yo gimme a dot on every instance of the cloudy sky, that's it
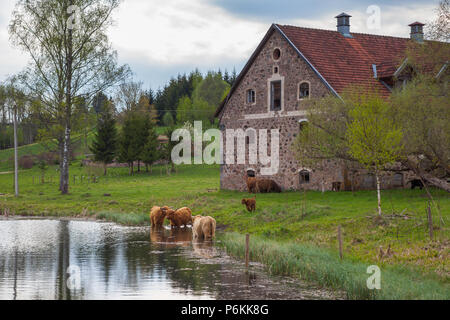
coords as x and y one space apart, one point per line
162 38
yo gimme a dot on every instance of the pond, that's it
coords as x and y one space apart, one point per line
71 260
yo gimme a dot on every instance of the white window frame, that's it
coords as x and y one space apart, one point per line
298 90
246 97
274 78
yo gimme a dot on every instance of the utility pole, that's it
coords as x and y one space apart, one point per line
16 168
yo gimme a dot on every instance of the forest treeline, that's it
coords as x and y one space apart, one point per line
185 98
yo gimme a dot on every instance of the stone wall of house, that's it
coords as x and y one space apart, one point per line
238 114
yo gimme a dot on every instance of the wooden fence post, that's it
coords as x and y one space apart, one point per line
247 250
430 222
341 255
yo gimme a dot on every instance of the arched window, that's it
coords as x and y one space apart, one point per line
304 176
303 90
251 173
251 96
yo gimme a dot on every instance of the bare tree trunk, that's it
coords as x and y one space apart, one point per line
16 162
64 187
68 114
378 193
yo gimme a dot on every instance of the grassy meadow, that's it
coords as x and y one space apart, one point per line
299 228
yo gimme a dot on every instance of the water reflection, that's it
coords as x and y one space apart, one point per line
121 263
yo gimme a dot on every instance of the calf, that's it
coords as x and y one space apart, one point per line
250 204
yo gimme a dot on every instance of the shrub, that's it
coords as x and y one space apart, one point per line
51 158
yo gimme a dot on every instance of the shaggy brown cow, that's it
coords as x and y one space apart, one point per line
204 227
250 204
157 216
267 186
181 217
257 185
251 183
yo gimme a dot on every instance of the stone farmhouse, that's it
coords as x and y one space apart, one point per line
294 64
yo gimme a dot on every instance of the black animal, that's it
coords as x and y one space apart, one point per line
416 183
336 186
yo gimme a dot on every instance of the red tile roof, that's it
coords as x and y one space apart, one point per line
346 61
340 61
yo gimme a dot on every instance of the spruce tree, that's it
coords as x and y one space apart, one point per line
104 145
150 152
129 149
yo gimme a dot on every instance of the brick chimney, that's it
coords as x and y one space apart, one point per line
343 24
417 31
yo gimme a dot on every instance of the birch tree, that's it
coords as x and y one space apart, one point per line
70 57
373 137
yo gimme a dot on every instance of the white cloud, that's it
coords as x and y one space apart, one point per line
394 19
172 32
159 38
12 60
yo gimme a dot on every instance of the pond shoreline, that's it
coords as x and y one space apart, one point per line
195 250
312 264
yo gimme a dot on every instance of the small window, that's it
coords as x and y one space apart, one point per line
275 98
275 70
251 96
304 177
251 173
276 54
304 90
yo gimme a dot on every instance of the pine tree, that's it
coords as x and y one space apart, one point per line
129 147
150 152
104 145
233 77
168 119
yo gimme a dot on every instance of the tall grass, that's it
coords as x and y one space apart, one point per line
326 268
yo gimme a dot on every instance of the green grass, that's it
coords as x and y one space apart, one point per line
326 268
7 156
290 219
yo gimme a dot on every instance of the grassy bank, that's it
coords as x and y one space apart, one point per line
294 219
326 268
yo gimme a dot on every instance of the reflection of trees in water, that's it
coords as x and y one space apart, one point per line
62 292
115 258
